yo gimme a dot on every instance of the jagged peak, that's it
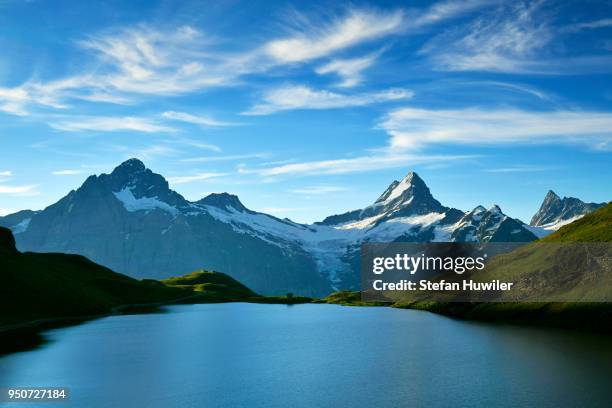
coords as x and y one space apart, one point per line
133 174
551 195
495 209
396 189
478 209
412 177
223 200
131 166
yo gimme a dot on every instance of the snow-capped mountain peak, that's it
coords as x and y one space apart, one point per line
398 189
404 190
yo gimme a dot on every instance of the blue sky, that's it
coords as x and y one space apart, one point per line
312 108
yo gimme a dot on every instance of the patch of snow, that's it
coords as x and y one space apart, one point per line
360 224
21 227
132 204
547 229
399 189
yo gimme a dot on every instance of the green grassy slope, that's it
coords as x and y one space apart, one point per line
211 285
36 286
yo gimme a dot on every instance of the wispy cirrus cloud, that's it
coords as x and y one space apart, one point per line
349 69
110 124
524 168
411 128
310 40
514 38
200 120
139 60
27 190
6 173
67 172
318 190
195 177
589 25
303 97
229 157
509 40
374 161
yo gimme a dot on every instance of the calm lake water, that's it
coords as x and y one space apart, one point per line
250 355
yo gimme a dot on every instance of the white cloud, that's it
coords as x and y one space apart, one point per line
194 177
512 41
110 124
28 190
316 39
199 120
68 172
193 143
136 60
589 25
302 97
445 10
145 60
352 165
526 168
318 190
350 70
309 40
230 157
413 128
6 173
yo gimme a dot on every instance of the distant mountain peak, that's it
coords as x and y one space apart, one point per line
478 209
130 166
411 185
223 201
135 175
495 209
551 195
555 210
132 184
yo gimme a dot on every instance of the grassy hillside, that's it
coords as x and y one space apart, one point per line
213 286
36 286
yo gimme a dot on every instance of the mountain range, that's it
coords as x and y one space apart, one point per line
132 222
